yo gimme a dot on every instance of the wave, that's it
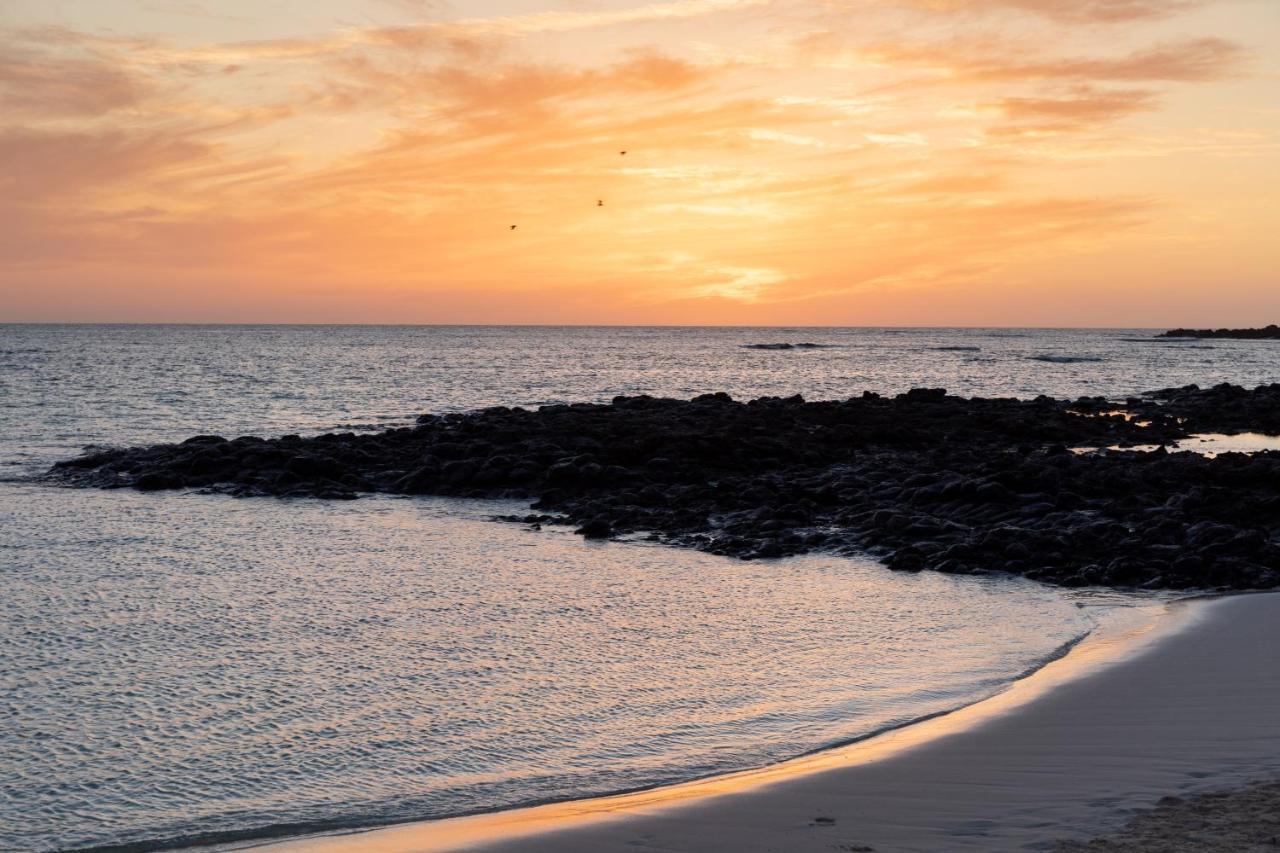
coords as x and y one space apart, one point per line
357 427
244 838
784 345
1180 343
956 349
1065 359
248 837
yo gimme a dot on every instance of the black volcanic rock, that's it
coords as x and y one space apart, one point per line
786 346
1222 408
924 480
1271 333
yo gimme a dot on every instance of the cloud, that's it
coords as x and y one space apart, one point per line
524 83
417 7
955 184
898 140
538 163
392 159
740 284
1070 11
43 164
567 21
1082 104
462 34
964 240
760 134
1079 108
1191 60
500 96
36 84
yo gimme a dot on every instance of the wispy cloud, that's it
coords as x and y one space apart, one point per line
567 21
36 83
1081 103
770 171
1070 11
979 60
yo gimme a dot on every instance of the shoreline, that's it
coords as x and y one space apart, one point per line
1125 636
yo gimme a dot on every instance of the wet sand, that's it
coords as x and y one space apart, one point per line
1175 705
1243 820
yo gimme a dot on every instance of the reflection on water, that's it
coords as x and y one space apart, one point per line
1123 633
1212 444
192 664
1209 444
177 664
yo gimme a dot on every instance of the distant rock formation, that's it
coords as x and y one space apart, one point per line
1266 333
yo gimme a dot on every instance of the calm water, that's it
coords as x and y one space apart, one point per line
181 666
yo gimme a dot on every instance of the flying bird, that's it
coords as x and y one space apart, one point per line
622 153
599 202
513 228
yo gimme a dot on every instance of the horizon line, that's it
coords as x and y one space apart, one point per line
317 324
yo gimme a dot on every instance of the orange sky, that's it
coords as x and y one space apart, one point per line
827 162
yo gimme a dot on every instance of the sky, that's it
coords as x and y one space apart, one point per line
787 162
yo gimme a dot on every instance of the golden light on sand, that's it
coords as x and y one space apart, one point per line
1127 637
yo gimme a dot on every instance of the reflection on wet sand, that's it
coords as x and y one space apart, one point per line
1126 633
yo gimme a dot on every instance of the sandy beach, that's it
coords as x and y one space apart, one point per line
1170 705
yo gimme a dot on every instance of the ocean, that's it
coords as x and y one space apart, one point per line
181 668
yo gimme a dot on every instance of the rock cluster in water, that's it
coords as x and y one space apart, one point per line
924 480
1271 332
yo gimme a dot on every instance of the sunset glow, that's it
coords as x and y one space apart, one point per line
844 162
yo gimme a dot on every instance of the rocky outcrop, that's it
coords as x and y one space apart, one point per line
924 480
1271 332
785 346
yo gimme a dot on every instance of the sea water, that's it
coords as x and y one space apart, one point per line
179 667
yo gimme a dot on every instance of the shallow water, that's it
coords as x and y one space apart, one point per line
179 666
194 663
1209 444
1213 443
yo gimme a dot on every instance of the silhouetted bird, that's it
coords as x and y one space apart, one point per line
622 153
513 228
599 202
